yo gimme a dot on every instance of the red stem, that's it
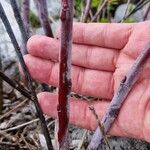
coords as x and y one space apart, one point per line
65 73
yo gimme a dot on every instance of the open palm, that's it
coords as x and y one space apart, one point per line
102 55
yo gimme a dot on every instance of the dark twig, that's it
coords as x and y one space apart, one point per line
43 14
126 11
138 6
25 15
21 25
27 76
1 85
6 114
65 73
101 127
24 26
86 10
15 85
99 11
146 13
44 20
120 96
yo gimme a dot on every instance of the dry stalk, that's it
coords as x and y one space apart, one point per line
21 25
14 109
126 11
101 127
1 86
99 11
25 16
43 15
80 145
86 11
146 13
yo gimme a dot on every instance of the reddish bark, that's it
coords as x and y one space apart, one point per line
65 73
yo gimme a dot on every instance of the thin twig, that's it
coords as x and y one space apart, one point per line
41 6
1 85
19 126
9 137
120 96
26 143
86 10
99 10
43 15
126 10
138 6
65 73
14 109
27 77
101 127
82 140
21 25
24 25
146 13
25 15
15 85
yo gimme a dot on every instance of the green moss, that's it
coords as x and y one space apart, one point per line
129 20
95 3
104 20
35 22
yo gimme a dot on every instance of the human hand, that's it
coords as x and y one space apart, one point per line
102 54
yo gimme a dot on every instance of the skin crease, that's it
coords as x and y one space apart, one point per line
102 54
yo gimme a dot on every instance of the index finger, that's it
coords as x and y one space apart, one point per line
107 35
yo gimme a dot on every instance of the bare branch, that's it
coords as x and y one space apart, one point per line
21 25
27 76
25 15
120 96
138 6
125 13
15 85
99 11
65 73
1 85
43 14
146 13
86 10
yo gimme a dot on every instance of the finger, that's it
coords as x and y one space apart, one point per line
81 116
92 57
138 39
84 81
124 64
106 35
